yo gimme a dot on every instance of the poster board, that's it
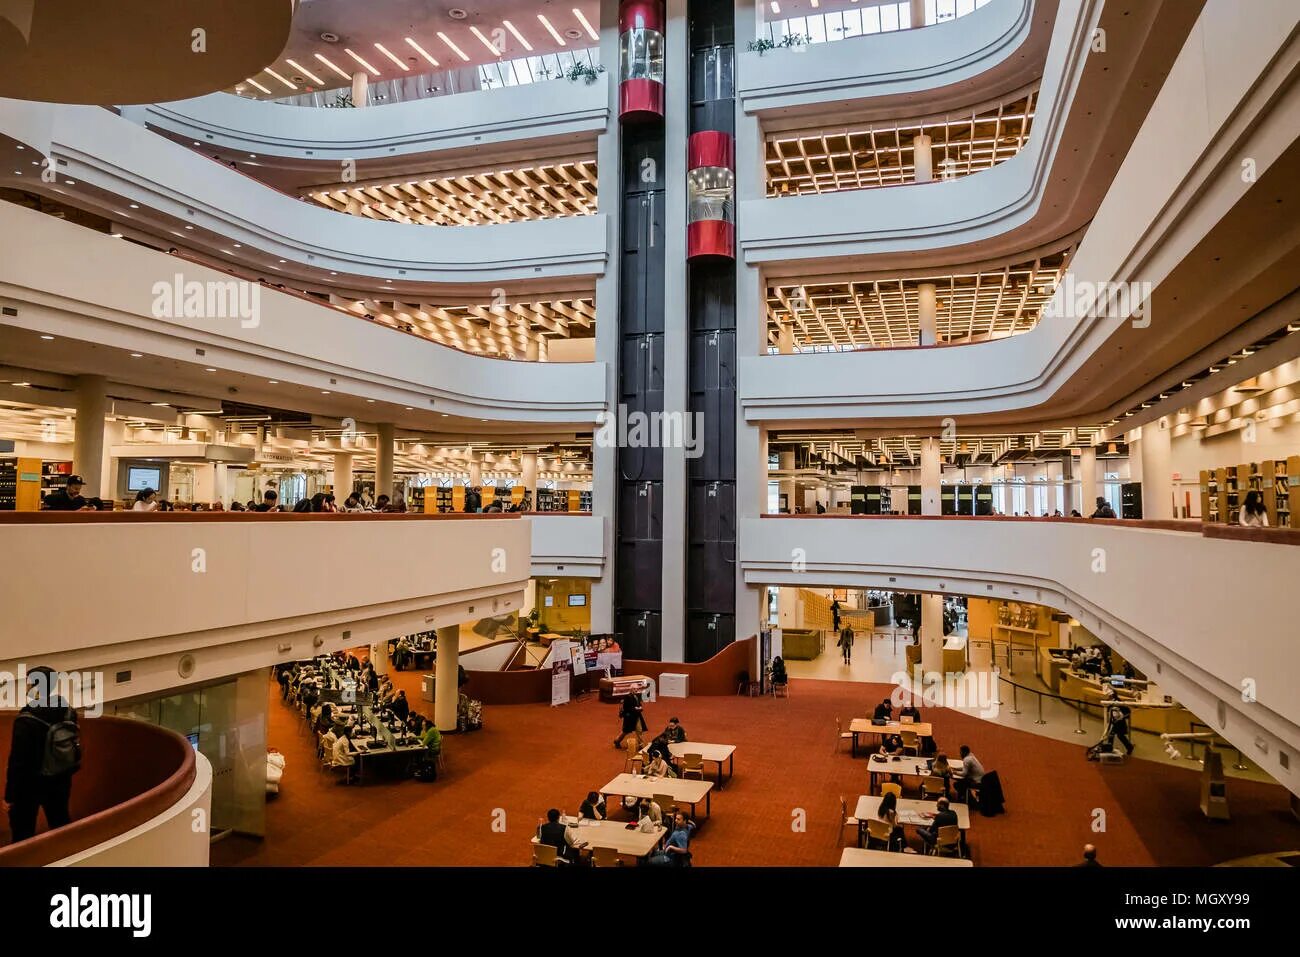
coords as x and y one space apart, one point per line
561 671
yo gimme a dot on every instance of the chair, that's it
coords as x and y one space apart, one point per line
911 742
635 764
847 821
780 689
878 832
605 857
933 786
841 734
948 840
890 787
665 802
745 685
693 766
545 856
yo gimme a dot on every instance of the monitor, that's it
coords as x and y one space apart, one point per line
1117 681
193 740
577 601
549 601
139 478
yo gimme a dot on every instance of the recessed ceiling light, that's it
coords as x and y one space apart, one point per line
70 182
369 69
454 49
137 355
332 273
518 36
18 172
272 381
47 338
551 30
189 227
116 235
21 147
776 7
306 72
445 415
237 245
280 260
420 50
456 13
197 143
573 33
384 50
585 24
324 392
370 400
492 47
134 206
259 86
209 369
161 405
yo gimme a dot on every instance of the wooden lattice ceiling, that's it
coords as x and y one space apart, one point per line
844 448
880 154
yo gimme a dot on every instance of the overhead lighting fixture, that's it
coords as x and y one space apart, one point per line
290 85
326 60
259 86
137 355
421 50
238 245
272 381
518 36
585 25
370 400
776 7
551 30
161 405
454 49
384 50
485 41
324 392
364 65
305 72
209 369
135 206
48 338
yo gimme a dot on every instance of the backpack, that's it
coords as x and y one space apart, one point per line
62 752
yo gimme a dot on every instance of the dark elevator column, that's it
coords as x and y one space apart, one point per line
711 298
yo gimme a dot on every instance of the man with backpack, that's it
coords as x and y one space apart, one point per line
44 753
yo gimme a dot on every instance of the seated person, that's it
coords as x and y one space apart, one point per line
884 710
969 774
343 757
674 733
593 809
943 817
659 749
326 746
888 812
678 845
659 768
891 745
910 710
558 836
400 706
779 676
647 807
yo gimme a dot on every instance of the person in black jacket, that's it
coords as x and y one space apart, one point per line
400 706
557 835
68 498
944 816
593 808
27 790
884 710
633 720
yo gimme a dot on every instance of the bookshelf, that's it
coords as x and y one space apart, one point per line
8 485
443 499
1209 495
1274 485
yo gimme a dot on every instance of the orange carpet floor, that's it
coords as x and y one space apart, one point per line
782 808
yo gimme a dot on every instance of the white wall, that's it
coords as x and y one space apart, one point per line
569 545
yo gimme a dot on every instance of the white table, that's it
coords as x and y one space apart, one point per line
911 811
373 750
859 726
681 790
630 842
858 857
718 753
907 767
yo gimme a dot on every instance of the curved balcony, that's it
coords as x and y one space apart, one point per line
398 131
1153 590
113 163
131 800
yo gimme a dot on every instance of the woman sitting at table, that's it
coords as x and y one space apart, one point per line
593 809
888 812
940 768
659 768
659 749
343 755
651 809
891 746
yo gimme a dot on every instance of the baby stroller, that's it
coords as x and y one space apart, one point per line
1105 750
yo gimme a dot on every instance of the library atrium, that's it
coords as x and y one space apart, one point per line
880 415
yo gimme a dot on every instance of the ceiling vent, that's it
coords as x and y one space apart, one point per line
456 13
330 37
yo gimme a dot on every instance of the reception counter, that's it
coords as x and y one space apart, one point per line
1156 717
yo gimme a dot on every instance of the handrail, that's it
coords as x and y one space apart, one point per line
100 518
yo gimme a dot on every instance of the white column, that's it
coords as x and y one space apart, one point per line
342 476
1157 475
360 88
384 445
379 655
205 484
528 472
446 688
114 434
88 434
931 470
1070 500
923 157
475 470
932 633
1088 480
221 484
927 312
785 462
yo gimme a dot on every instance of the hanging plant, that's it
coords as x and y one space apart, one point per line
582 71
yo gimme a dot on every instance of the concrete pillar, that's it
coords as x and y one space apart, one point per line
785 338
927 312
342 477
931 470
932 633
384 446
360 88
785 462
446 689
205 483
528 472
1088 480
221 484
917 13
1070 498
88 434
379 655
114 434
1157 481
923 158
532 350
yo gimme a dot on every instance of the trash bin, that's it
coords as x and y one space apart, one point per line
426 687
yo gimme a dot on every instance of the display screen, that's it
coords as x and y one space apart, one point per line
577 601
138 479
193 740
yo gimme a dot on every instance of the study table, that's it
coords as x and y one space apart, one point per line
860 857
860 726
911 813
718 753
631 842
681 790
907 767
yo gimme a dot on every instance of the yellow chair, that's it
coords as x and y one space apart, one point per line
635 764
841 734
545 856
693 766
911 742
847 821
933 787
605 857
948 841
666 806
878 832
890 787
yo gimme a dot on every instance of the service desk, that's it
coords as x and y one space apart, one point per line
1157 719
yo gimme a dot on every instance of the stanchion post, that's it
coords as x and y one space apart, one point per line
1079 709
1040 709
1240 765
1015 704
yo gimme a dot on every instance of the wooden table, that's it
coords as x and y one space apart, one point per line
907 767
864 726
911 813
858 857
616 834
718 753
682 791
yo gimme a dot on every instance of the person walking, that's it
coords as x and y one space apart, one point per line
44 754
630 713
846 644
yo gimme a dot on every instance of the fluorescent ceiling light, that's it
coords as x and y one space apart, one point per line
259 86
518 36
366 66
324 59
776 7
292 86
384 50
454 49
485 41
421 50
306 72
551 30
585 25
